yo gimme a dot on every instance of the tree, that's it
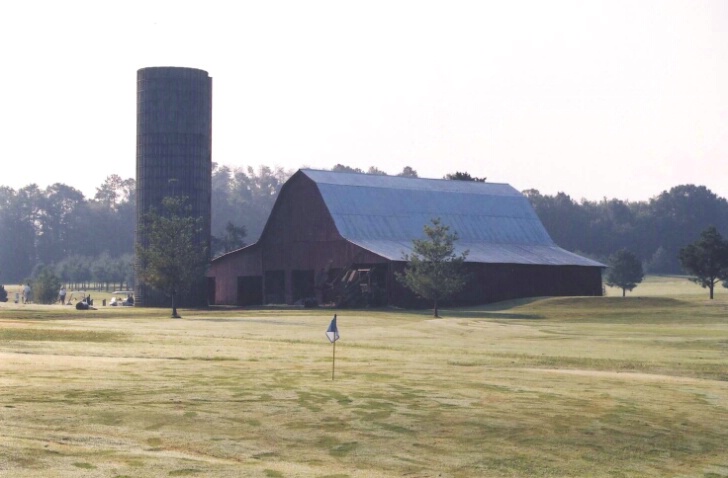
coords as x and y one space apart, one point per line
376 171
564 219
18 219
463 176
625 271
75 270
173 258
62 223
245 197
433 270
114 206
706 259
115 191
222 198
340 168
232 240
45 286
676 217
408 172
658 262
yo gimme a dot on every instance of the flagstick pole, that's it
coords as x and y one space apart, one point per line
333 363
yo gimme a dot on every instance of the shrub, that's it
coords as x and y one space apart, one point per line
45 286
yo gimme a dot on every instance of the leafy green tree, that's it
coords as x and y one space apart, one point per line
115 192
658 262
376 171
75 270
125 271
173 258
408 172
675 217
244 197
232 240
653 230
114 207
62 223
463 176
110 272
625 271
223 209
18 219
433 271
45 286
341 168
564 219
706 259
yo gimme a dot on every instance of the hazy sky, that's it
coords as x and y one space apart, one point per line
616 99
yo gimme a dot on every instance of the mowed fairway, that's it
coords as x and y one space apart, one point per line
555 387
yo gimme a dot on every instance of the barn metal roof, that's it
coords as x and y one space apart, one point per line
494 222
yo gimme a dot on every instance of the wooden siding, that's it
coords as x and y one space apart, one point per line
226 270
498 282
301 236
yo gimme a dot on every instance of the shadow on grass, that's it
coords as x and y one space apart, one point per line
484 314
496 310
616 302
501 315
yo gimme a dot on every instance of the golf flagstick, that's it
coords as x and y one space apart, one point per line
333 334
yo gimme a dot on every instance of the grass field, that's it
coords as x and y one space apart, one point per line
667 286
553 387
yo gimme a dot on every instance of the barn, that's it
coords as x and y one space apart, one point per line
340 238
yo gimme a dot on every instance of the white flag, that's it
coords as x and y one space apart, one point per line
332 332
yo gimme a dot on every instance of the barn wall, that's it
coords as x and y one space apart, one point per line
301 240
497 282
489 282
226 270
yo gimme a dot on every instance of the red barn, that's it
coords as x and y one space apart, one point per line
341 237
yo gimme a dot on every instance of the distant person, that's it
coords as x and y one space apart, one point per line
85 304
129 300
62 295
26 293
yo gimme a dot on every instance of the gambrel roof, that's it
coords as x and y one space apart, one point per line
383 214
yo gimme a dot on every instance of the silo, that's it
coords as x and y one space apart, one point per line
174 155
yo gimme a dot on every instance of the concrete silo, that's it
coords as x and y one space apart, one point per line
174 154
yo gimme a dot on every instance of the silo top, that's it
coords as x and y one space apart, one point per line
170 71
174 100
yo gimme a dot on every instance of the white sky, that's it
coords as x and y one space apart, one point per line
616 99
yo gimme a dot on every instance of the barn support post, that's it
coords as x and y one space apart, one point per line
288 286
390 281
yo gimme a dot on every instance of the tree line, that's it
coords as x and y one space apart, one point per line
90 241
654 231
83 240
